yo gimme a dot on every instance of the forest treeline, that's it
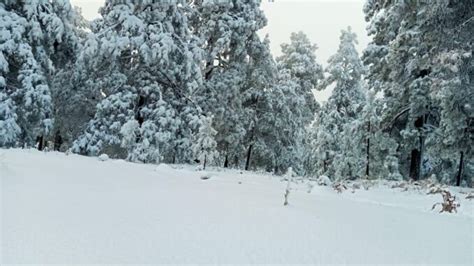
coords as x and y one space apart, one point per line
191 80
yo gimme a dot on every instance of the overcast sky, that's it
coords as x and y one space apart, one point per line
321 20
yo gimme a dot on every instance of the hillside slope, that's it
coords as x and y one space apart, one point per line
73 209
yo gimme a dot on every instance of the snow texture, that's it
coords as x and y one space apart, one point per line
73 209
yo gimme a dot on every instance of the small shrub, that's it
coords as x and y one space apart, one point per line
470 196
324 181
435 189
449 203
339 187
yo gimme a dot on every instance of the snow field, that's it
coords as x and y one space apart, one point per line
73 209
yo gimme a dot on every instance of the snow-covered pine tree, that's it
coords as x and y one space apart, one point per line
36 38
293 105
147 63
341 142
398 67
284 125
453 69
454 139
323 141
409 39
370 152
228 32
225 103
204 145
299 58
74 102
380 150
256 105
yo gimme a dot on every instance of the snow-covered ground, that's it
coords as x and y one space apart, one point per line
73 209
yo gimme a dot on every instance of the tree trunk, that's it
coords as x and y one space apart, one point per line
350 171
208 69
249 154
236 162
325 163
205 162
416 154
367 166
415 164
58 141
40 142
209 61
460 170
226 161
138 115
276 169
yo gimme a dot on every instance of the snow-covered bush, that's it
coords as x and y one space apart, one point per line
103 157
204 145
339 186
324 181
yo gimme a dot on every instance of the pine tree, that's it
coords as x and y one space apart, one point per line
397 59
324 142
9 129
228 34
37 38
147 62
339 144
74 101
204 145
454 139
293 105
405 59
453 69
381 157
300 59
256 105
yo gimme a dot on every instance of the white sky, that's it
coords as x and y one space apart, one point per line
321 20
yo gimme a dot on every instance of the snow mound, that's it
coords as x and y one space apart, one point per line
162 167
103 157
324 181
